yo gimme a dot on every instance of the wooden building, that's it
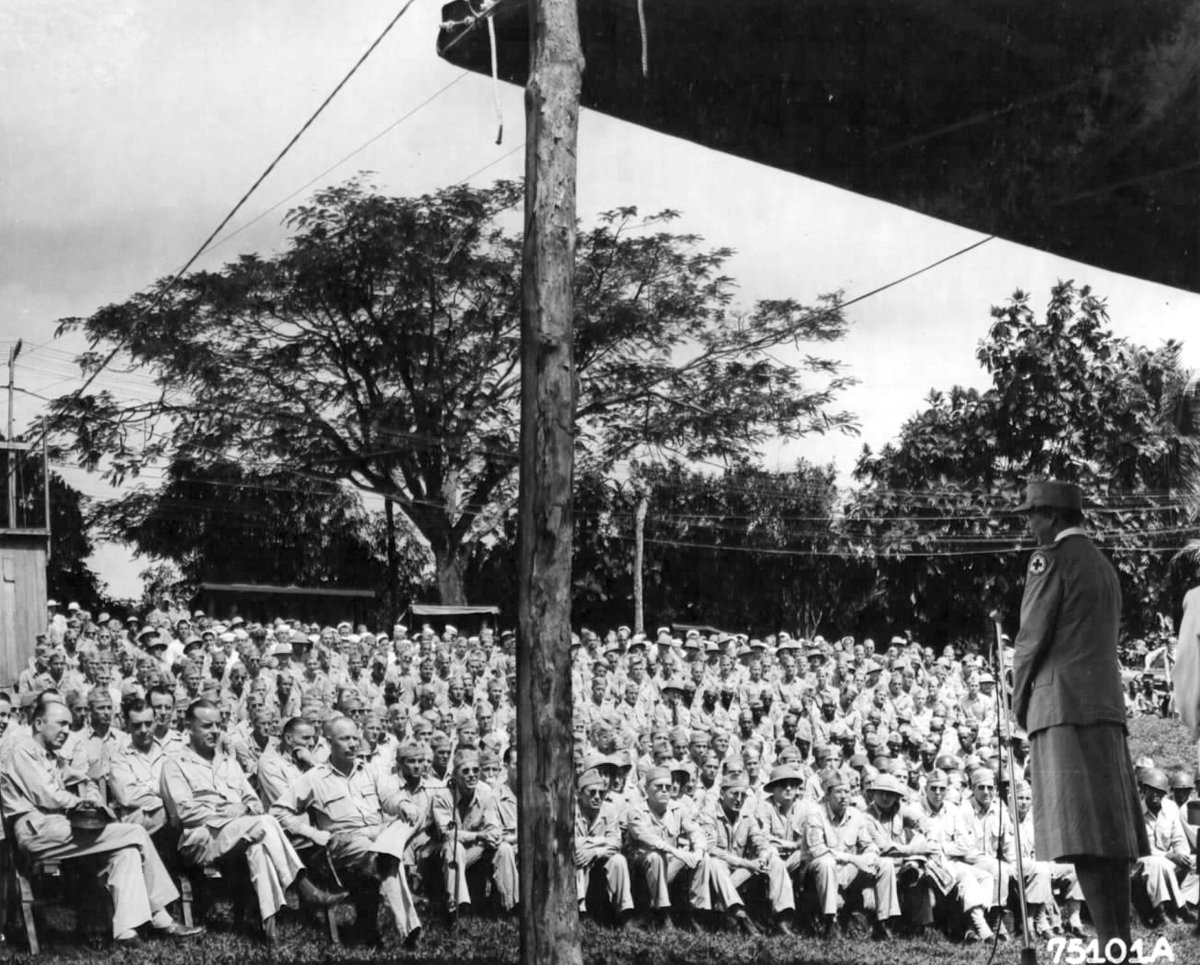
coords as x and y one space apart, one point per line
24 547
261 602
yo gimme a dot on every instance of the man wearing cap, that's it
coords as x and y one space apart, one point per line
1067 695
414 796
1183 787
898 831
983 813
601 870
781 814
1159 875
838 855
91 749
348 809
467 823
950 830
665 841
741 855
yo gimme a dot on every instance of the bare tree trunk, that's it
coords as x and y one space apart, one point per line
639 560
450 565
549 908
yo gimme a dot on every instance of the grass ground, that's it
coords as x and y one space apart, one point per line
474 941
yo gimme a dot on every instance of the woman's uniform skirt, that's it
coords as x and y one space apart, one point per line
1085 796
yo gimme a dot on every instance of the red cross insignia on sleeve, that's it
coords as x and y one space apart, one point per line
1038 564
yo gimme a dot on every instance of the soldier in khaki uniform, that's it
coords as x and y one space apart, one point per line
467 823
209 797
353 810
36 799
599 864
1067 695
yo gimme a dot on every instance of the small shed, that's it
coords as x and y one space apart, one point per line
261 602
468 620
24 549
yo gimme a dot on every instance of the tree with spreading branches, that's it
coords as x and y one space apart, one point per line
379 350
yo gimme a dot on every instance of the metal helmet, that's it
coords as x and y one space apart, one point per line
1156 778
1182 780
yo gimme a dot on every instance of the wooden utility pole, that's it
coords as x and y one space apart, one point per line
639 559
549 907
12 453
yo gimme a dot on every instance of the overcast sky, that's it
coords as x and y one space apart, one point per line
129 128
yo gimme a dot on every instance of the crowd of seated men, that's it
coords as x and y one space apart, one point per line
780 784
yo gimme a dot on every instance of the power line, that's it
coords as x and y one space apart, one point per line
502 157
337 164
163 292
919 271
864 554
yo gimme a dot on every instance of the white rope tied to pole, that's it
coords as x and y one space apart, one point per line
491 25
641 5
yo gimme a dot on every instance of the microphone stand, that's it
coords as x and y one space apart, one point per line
1004 725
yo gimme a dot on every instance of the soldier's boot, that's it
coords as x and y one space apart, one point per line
979 930
1039 919
1073 924
996 920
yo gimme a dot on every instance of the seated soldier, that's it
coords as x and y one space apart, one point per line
39 806
283 761
981 809
899 835
467 824
840 857
781 815
598 854
1158 874
740 854
949 830
247 751
352 815
665 842
90 749
1061 876
415 803
136 771
221 818
162 701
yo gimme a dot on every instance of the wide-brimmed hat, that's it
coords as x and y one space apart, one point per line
887 782
782 773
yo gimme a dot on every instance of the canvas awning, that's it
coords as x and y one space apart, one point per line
1068 126
435 610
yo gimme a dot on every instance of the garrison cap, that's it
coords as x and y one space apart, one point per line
833 777
983 777
735 780
656 774
591 778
